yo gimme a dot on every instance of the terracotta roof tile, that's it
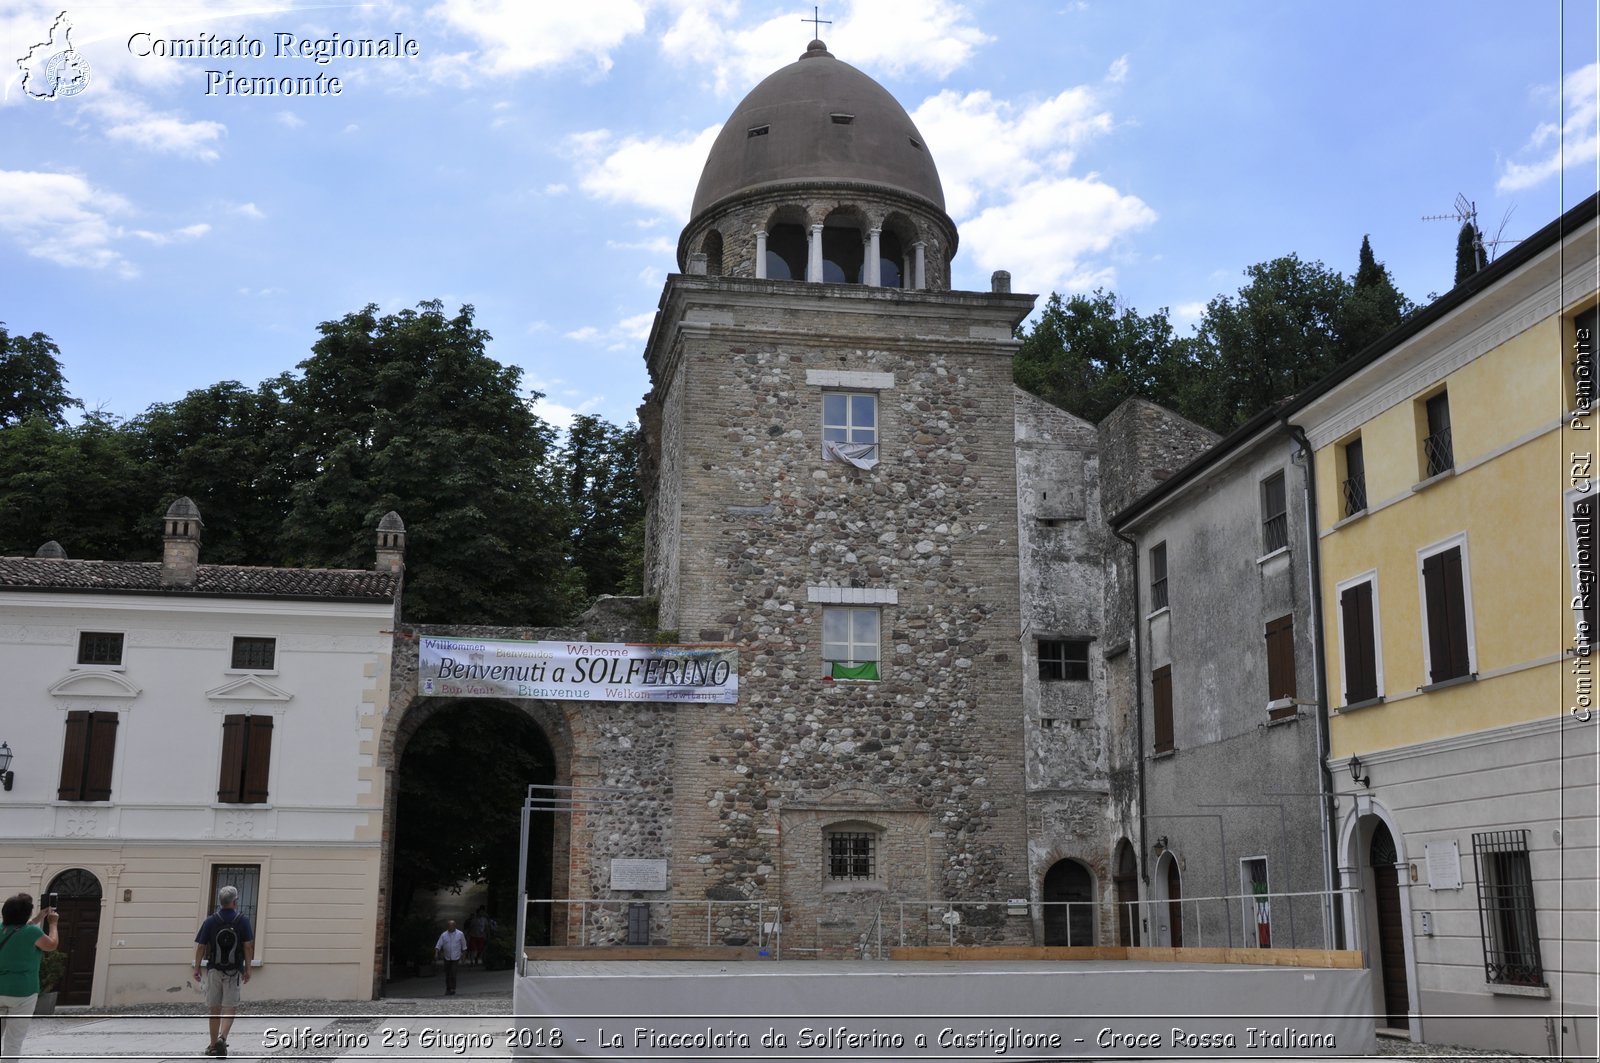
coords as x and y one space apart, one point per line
44 574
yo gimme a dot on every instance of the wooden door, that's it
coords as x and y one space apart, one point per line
78 931
1391 929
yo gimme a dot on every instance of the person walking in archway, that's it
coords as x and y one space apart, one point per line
451 944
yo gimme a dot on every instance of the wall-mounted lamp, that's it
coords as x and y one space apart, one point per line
1161 842
1355 773
6 774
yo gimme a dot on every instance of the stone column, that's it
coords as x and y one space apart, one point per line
919 261
814 255
761 254
874 276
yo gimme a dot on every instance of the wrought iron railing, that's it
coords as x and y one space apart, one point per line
1441 457
1275 533
1355 495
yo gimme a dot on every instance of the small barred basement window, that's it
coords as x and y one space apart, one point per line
852 856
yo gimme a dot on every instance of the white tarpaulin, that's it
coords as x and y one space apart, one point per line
576 671
865 1010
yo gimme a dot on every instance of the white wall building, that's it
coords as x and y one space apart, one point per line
177 726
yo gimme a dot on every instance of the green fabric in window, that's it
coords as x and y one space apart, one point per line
867 670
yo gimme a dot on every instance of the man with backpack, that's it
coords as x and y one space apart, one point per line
226 942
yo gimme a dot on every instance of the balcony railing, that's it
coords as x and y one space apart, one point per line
1275 533
1355 495
1441 457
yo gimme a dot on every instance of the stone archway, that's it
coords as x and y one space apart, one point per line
1168 887
1069 913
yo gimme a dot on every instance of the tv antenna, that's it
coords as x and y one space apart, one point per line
1466 212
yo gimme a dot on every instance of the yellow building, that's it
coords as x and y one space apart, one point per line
1453 473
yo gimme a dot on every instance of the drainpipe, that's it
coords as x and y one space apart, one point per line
1138 705
1324 778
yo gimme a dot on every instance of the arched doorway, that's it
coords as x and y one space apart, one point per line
1125 889
78 930
1169 889
1390 938
463 769
1068 893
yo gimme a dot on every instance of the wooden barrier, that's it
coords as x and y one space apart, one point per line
1339 958
641 952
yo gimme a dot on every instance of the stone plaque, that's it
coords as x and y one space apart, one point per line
638 875
1444 865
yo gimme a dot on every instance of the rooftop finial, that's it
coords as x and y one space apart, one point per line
817 22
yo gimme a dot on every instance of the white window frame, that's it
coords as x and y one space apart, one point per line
122 662
1423 553
1369 576
852 433
1248 904
851 644
277 651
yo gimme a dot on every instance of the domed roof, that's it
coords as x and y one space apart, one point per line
391 522
818 119
183 509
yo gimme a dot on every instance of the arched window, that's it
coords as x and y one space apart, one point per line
712 246
891 253
786 252
842 254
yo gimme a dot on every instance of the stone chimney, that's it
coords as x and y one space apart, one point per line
180 549
391 543
51 551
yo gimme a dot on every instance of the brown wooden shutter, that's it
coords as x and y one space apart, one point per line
257 758
1360 652
1447 615
1161 696
102 753
73 757
230 784
1280 658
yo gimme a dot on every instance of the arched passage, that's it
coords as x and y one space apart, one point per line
1169 890
1389 924
462 770
1068 893
78 931
1125 886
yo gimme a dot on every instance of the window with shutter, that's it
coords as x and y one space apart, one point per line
246 758
1280 665
1161 707
1445 606
88 756
1358 643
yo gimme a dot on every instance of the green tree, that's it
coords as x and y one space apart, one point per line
81 485
406 412
1279 334
1470 254
225 447
1087 353
32 383
1373 307
600 475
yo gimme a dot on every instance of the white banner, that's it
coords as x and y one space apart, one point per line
576 671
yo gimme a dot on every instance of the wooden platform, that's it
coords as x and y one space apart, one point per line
598 953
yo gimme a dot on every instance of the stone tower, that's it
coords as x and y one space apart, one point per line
830 462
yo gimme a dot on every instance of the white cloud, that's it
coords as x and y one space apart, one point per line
660 246
250 210
130 120
61 218
583 335
1552 148
882 37
624 335
288 119
556 189
1050 232
656 173
983 145
188 232
1187 313
514 37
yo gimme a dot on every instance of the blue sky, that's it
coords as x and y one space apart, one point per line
538 160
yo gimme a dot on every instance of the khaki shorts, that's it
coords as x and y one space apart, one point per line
222 988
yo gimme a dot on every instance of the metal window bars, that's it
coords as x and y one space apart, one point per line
1506 913
1441 457
1355 495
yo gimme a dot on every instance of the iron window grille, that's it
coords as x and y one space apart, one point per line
1274 514
1506 913
1158 576
254 654
852 855
246 878
100 647
1355 487
1063 659
1436 446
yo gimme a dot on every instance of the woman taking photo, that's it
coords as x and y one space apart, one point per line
23 943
